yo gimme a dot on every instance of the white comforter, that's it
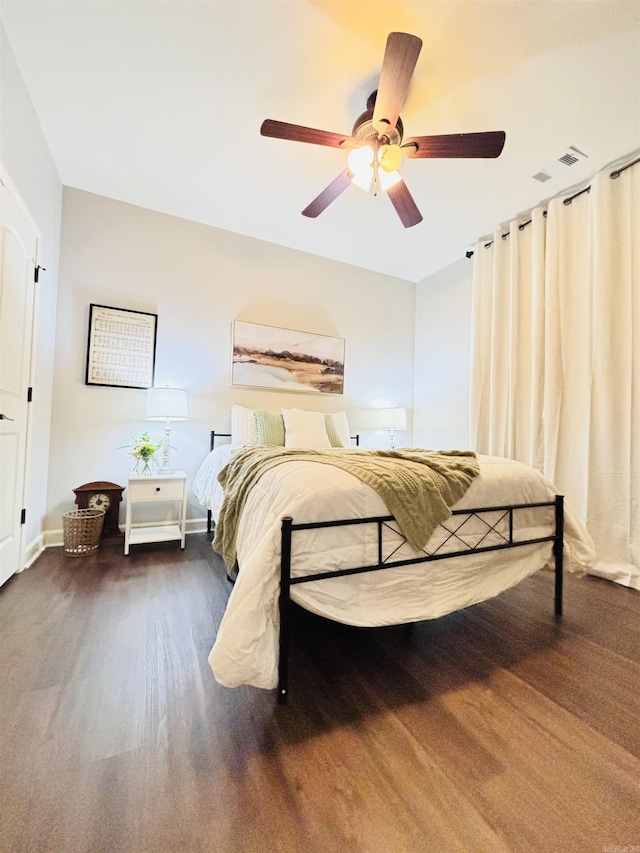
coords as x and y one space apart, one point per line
205 484
246 648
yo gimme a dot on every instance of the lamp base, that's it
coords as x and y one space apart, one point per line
165 467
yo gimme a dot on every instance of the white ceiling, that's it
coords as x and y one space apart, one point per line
159 103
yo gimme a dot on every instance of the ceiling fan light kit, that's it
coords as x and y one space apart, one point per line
376 148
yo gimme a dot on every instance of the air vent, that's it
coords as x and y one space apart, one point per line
558 167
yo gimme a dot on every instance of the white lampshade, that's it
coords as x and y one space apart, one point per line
392 418
167 404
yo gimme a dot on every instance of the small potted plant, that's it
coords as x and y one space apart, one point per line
142 449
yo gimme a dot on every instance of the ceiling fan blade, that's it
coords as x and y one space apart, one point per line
400 57
404 204
298 133
328 194
489 144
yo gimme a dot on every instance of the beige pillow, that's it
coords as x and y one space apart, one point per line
269 427
338 429
243 427
305 429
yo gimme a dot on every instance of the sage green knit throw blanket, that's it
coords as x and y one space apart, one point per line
417 486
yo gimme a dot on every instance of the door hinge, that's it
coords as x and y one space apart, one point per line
36 272
29 395
23 516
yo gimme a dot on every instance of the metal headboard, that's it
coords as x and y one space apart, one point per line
212 442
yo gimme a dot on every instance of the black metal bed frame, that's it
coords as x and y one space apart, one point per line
287 581
212 441
383 563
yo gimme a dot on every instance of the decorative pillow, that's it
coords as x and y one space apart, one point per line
337 428
243 426
305 429
332 432
269 427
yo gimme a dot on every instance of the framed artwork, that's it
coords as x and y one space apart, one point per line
121 350
283 359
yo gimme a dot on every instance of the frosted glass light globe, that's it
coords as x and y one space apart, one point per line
360 159
389 157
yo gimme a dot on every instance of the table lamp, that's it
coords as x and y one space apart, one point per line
392 419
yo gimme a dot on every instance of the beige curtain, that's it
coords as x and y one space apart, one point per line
556 358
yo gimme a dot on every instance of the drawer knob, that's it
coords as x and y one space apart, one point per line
157 488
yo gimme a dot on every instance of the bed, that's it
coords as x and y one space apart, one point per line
317 536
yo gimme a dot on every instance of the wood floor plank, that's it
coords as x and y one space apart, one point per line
492 729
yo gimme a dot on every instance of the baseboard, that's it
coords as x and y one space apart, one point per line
55 538
33 551
196 525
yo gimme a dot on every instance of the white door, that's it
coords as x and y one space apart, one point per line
18 247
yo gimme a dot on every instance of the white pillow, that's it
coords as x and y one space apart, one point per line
341 426
243 426
305 429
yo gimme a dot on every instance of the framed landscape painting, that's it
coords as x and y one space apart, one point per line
268 357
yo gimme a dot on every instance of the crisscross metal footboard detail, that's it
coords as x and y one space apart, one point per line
453 533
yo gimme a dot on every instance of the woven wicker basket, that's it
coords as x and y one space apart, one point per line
81 529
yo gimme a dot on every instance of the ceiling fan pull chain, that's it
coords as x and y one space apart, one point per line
376 180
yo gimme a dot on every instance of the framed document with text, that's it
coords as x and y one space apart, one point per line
121 350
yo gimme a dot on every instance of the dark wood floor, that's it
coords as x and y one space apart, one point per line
493 729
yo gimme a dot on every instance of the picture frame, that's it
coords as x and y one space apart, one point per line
121 347
286 359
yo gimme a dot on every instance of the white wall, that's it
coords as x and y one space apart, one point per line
442 358
26 160
198 279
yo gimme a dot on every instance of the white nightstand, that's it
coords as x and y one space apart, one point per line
158 487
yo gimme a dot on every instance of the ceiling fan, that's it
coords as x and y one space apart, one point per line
376 145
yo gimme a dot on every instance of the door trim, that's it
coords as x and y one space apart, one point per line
10 187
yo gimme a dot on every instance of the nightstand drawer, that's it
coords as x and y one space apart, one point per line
156 491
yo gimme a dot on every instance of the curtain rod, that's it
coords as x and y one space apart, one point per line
613 175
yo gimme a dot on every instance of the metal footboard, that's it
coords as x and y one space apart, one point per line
289 528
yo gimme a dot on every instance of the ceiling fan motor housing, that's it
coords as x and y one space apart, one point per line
365 133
